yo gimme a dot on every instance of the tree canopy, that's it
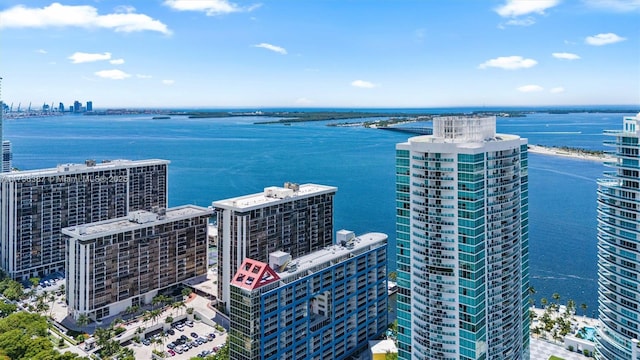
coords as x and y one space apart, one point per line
23 335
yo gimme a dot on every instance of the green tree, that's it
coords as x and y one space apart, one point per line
7 309
12 290
83 320
186 292
583 306
393 276
544 302
556 297
571 307
391 356
23 335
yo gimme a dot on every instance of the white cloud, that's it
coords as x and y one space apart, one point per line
80 57
565 56
41 51
530 88
142 76
112 74
557 90
168 82
514 8
275 48
85 16
508 63
210 7
363 84
603 39
615 5
117 61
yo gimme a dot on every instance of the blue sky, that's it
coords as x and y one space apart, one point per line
321 53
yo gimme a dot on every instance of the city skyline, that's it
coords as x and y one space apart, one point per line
324 54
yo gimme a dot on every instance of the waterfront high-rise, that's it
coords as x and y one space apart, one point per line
123 262
327 304
297 219
462 243
6 156
35 205
619 246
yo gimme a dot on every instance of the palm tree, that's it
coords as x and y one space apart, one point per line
155 314
571 307
102 336
176 305
186 292
543 302
82 320
583 306
556 297
52 299
146 316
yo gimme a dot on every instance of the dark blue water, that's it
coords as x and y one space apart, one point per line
213 159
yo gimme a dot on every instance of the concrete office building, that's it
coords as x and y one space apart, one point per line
327 304
123 262
462 243
618 246
297 219
35 205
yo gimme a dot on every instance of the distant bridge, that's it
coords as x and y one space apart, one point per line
410 130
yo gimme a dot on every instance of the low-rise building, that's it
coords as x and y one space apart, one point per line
122 262
324 305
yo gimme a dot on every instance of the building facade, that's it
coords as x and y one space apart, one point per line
123 262
619 246
462 243
297 219
325 305
36 205
7 156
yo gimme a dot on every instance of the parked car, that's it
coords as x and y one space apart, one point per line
147 342
194 335
171 352
171 332
189 323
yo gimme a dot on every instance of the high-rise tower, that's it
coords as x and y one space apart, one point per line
297 219
618 247
35 205
462 237
6 145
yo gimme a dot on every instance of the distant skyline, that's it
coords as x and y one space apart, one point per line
328 53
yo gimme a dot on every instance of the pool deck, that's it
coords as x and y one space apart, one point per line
542 349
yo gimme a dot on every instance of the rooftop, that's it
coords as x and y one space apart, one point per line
304 265
88 167
273 195
318 260
135 220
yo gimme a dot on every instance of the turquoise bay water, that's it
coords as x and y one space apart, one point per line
213 159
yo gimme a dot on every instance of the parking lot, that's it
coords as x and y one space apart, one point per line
200 329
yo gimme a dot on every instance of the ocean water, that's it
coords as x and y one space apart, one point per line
214 159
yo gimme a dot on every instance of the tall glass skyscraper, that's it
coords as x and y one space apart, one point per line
618 243
462 235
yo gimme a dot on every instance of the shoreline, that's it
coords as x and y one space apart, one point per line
547 150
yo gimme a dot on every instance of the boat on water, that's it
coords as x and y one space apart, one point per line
161 117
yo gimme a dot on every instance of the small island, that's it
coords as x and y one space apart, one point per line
575 153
